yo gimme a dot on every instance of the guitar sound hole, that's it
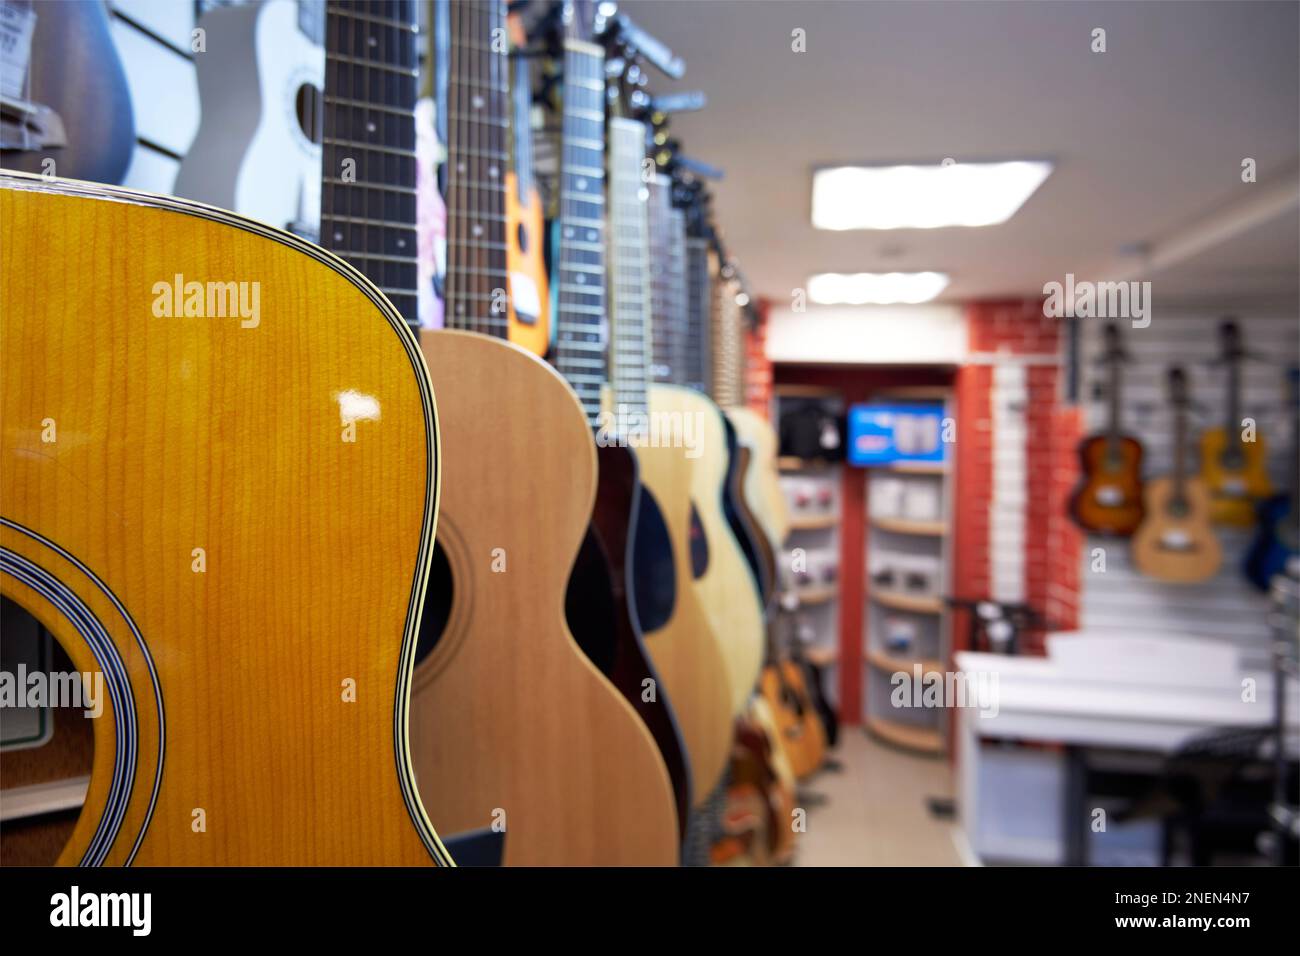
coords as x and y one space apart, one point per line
310 109
437 604
522 235
699 545
654 579
589 605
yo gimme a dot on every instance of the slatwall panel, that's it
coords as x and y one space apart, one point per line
1121 600
153 41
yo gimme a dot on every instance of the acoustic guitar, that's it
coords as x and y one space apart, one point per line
721 575
170 478
1277 539
1175 542
529 304
72 116
599 602
1235 471
680 635
512 726
1108 499
782 685
258 148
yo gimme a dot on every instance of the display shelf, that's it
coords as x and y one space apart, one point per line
905 735
905 526
908 602
819 594
882 661
814 522
917 467
790 463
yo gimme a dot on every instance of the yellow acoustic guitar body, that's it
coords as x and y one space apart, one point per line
1177 544
222 498
510 722
687 650
1237 478
762 486
726 589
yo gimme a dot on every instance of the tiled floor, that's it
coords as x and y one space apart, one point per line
874 812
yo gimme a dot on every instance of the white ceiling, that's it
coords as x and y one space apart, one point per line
1147 138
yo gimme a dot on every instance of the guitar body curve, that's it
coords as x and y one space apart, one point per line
744 526
251 153
508 715
762 486
198 507
799 730
687 650
1108 499
75 70
727 588
601 614
1235 486
1180 549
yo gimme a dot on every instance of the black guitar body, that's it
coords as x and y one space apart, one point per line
603 618
75 71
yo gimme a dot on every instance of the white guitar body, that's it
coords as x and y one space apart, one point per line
251 154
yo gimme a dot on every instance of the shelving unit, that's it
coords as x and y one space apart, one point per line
816 530
906 621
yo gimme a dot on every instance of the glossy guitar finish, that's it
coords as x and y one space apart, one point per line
1109 497
762 486
264 679
75 71
1236 474
689 649
508 714
529 304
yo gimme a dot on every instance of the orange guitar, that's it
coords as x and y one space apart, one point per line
1234 470
528 303
1109 497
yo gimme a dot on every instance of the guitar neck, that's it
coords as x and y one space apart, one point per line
1232 426
368 147
580 272
629 265
728 386
667 280
1113 402
477 111
696 364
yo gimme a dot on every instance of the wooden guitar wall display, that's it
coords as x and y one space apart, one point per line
1175 542
511 724
1109 497
65 109
255 627
1235 471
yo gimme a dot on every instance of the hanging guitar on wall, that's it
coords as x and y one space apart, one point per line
1108 499
1175 542
1235 470
1277 541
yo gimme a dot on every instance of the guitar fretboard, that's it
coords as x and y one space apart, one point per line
667 281
629 265
728 379
697 364
477 110
580 294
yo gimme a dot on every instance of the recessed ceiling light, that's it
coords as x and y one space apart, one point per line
875 288
923 197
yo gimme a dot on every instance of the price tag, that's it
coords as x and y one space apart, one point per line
17 24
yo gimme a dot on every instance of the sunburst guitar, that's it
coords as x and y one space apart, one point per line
202 423
1234 469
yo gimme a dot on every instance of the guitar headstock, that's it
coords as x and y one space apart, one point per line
1230 340
1177 385
1114 344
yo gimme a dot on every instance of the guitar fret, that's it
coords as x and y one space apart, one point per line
479 119
385 187
364 105
352 14
362 221
391 150
371 64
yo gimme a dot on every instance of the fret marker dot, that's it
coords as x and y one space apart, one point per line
338 237
493 172
477 101
460 167
371 41
581 279
582 184
568 232
477 230
370 127
401 243
591 235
